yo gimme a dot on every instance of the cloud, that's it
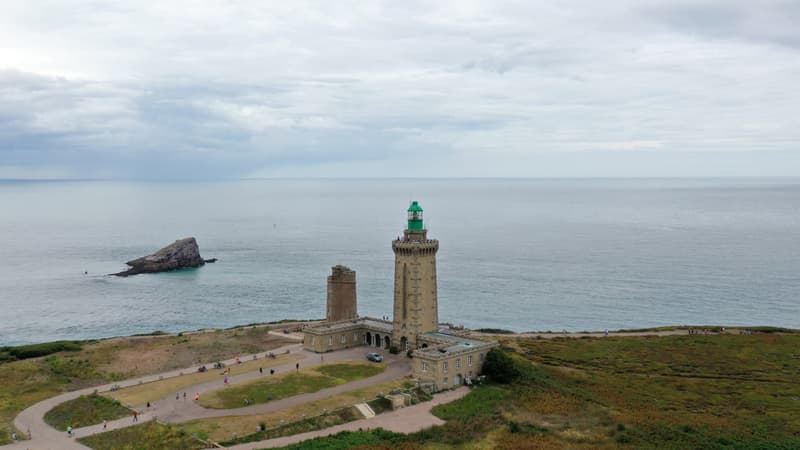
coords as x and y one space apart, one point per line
223 89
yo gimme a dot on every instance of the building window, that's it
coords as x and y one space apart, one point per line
469 360
444 381
444 367
344 339
458 363
424 366
330 340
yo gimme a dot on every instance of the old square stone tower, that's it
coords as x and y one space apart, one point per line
415 296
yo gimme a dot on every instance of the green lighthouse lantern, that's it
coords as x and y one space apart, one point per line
414 216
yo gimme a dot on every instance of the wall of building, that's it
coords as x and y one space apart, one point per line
447 371
333 340
341 304
321 339
415 291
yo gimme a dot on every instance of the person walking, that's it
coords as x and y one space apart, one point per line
226 380
297 367
177 396
105 424
196 396
69 431
261 370
136 416
184 396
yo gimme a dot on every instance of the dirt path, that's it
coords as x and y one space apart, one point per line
405 420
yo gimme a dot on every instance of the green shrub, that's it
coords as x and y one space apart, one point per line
393 349
47 348
380 404
500 367
494 331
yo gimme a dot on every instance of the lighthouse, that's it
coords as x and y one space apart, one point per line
416 309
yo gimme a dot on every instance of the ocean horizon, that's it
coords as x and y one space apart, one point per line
521 254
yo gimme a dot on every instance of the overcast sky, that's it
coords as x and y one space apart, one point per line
216 89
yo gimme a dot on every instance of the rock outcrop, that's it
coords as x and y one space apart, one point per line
183 253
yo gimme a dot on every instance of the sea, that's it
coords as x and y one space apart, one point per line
518 254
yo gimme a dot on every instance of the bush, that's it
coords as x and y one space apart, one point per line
47 348
494 331
394 350
500 367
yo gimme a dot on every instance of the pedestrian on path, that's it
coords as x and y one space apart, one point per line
297 367
69 431
148 405
184 396
177 396
261 370
321 358
136 416
105 424
196 396
271 371
226 380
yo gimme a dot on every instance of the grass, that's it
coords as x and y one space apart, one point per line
150 435
377 438
288 384
140 394
317 422
351 371
223 428
84 411
724 391
28 381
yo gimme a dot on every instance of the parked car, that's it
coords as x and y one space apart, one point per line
374 357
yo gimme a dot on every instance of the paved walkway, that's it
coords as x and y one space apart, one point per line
167 409
405 420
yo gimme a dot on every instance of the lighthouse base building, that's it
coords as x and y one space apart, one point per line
442 357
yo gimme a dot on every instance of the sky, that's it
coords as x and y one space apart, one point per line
227 89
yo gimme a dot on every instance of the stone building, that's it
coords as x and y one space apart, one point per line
341 295
416 308
442 358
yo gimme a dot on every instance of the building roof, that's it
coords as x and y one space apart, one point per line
450 344
344 325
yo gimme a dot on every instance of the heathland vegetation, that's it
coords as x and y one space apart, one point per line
724 391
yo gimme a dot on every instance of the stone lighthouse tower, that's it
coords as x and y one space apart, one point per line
416 309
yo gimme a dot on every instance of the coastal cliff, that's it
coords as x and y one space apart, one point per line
183 253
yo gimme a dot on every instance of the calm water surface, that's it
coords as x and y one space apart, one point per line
517 254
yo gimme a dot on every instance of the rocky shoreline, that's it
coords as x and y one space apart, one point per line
181 254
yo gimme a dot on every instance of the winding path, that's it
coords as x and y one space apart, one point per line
167 409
